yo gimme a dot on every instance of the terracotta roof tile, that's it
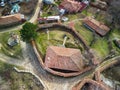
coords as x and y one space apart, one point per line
10 19
99 27
63 58
72 5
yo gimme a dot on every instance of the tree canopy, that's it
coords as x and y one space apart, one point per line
28 32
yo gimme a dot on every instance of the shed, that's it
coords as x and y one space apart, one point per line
96 26
64 59
49 19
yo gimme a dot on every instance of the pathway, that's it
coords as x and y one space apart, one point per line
31 63
10 60
32 20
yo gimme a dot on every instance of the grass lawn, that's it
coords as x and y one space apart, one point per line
101 47
14 52
86 34
72 16
56 39
11 80
90 11
115 34
86 12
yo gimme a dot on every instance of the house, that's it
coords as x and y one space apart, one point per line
73 6
65 60
11 19
96 26
49 19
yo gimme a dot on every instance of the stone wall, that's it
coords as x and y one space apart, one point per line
92 83
66 29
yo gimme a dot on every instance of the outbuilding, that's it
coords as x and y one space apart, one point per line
72 6
11 19
65 60
96 26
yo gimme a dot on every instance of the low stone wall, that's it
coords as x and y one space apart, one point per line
66 29
55 72
35 48
96 75
68 74
91 82
71 30
29 72
96 6
112 62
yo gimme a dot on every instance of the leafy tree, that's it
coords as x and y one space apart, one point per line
28 32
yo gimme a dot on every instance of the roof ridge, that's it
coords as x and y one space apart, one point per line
74 61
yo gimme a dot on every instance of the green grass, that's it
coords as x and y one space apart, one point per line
56 39
101 47
90 11
9 51
115 34
86 34
42 42
86 12
72 16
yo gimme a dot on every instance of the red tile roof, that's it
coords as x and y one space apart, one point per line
63 58
99 27
72 5
5 20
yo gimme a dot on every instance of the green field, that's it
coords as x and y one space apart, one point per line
101 47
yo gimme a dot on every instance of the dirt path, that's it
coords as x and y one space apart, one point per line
32 20
31 63
35 16
10 60
51 82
